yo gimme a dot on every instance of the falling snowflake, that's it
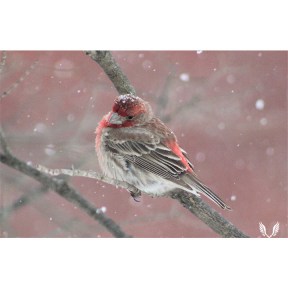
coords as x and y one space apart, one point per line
260 104
184 77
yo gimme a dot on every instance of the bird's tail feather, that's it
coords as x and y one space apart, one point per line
195 183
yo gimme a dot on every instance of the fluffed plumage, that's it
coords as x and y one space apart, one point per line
134 146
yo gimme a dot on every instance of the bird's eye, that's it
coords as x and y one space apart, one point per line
129 117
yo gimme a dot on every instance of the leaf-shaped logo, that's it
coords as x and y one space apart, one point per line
275 230
262 229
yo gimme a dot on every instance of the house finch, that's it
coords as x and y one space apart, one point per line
134 146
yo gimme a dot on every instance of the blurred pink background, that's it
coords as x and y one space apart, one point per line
228 109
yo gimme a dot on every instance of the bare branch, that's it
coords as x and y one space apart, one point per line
21 201
87 174
208 215
195 205
113 71
61 188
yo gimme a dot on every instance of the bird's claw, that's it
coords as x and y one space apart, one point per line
136 195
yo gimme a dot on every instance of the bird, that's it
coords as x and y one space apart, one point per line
134 146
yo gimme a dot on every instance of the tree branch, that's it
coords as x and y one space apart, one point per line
88 174
61 188
191 202
113 71
208 215
194 204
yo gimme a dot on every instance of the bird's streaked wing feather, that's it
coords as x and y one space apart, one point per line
150 155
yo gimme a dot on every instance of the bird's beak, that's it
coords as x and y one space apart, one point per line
115 118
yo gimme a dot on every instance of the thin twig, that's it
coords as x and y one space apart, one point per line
62 188
21 79
113 71
5 212
3 143
163 98
195 205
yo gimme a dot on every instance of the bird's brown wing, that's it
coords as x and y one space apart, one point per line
148 154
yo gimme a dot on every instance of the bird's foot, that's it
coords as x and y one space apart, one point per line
136 195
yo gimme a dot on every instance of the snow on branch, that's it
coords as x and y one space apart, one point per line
87 174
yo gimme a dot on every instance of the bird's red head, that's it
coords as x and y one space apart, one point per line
129 110
128 105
